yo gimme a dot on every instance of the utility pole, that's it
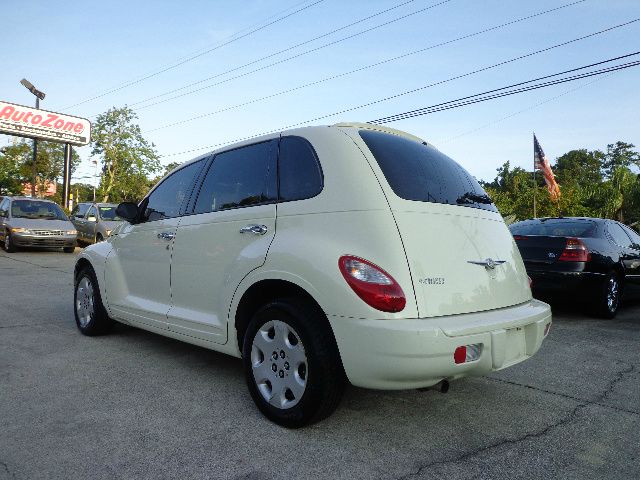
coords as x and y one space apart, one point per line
39 96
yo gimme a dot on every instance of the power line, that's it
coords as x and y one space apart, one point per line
519 112
306 52
231 39
463 101
511 89
382 62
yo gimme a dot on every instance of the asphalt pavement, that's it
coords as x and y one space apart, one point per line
137 405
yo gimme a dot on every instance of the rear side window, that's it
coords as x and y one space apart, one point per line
416 171
619 236
556 228
168 197
635 238
240 178
299 170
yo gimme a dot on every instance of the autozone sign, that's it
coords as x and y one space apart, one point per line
35 123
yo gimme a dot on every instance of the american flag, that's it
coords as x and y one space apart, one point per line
541 163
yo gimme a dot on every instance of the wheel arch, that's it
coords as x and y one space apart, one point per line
80 264
262 292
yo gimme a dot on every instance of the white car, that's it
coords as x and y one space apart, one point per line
318 255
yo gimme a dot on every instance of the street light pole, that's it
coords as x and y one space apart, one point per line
35 157
39 96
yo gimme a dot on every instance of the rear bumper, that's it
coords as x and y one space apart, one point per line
44 241
415 353
565 282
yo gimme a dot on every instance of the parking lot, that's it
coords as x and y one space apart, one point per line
137 405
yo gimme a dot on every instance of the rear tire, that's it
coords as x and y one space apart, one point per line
69 249
91 316
608 300
99 238
292 365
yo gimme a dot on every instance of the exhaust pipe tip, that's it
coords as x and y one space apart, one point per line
444 386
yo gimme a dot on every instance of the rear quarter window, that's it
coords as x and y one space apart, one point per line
300 175
419 172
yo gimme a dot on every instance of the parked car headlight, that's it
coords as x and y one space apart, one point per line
20 230
72 232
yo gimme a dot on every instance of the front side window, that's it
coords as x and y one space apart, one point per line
91 213
168 198
109 214
419 172
298 169
37 209
240 178
80 210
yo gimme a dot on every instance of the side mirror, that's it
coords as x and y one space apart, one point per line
129 211
3 213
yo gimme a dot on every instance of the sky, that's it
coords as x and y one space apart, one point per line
77 51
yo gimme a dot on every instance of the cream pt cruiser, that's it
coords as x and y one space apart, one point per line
319 255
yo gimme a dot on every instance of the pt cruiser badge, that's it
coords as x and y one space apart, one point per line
489 263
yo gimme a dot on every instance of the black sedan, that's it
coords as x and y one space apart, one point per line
590 259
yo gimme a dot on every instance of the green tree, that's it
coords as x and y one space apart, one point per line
11 157
619 154
128 160
16 165
579 166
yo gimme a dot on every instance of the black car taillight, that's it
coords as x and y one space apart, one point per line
575 251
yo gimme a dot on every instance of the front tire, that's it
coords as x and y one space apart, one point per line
69 249
292 364
9 247
91 316
608 300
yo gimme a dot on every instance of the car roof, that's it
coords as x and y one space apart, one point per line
31 198
300 131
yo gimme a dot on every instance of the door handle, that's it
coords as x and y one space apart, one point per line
255 229
166 236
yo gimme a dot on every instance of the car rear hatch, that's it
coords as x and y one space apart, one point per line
461 255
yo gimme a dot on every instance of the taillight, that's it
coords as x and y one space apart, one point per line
519 237
372 284
530 282
575 251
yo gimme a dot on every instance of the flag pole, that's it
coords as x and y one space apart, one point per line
535 186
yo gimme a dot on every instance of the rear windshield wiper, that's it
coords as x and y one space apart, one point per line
470 197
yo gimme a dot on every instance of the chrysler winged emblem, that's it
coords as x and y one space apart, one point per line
489 263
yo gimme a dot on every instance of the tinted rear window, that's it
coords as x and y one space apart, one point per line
557 228
416 171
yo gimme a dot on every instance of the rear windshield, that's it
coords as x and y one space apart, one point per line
556 228
417 171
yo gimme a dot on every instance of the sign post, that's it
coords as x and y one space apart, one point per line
66 175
